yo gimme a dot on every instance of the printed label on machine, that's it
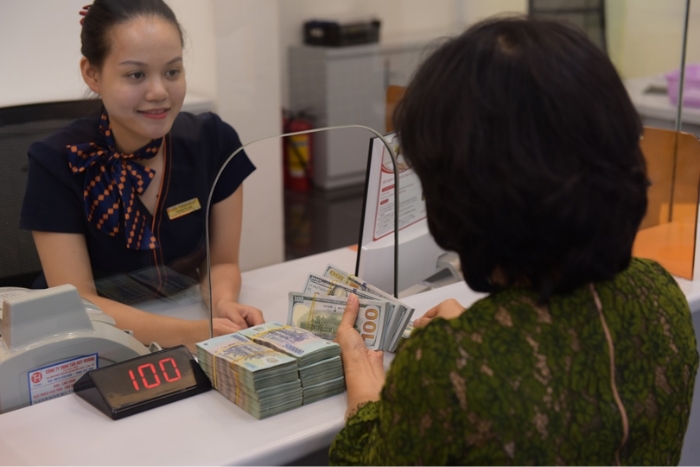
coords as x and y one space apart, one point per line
57 380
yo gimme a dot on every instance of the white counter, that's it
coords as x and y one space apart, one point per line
206 429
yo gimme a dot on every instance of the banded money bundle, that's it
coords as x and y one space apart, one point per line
319 364
262 381
381 321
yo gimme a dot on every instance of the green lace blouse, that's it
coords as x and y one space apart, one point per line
511 382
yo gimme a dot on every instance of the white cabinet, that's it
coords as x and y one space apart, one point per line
341 86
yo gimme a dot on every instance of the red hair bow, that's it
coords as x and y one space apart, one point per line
83 13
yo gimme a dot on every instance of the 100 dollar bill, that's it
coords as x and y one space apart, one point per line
316 284
401 314
326 286
321 314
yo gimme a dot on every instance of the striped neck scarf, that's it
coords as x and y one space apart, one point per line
112 181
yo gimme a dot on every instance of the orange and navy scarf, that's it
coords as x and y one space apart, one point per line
112 181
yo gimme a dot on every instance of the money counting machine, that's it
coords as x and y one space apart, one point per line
49 338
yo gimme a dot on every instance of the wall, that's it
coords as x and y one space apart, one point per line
645 36
39 51
197 22
476 10
44 67
248 90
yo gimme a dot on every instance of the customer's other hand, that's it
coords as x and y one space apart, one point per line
449 309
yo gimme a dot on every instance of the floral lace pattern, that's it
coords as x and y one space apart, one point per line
514 382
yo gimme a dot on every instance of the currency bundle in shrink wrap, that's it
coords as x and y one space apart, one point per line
259 379
319 365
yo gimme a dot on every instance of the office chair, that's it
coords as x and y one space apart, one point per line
20 126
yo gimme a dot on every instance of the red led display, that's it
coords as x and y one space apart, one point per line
148 370
144 382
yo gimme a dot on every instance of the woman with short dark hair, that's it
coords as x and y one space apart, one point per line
527 147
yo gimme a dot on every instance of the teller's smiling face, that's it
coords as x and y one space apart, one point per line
142 80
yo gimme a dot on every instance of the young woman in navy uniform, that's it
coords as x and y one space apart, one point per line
125 189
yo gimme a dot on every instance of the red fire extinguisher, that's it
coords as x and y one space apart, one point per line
297 153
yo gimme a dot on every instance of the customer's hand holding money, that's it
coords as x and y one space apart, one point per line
381 318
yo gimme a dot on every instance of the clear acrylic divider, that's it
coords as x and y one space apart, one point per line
370 133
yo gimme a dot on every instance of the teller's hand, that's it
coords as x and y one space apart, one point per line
223 326
244 316
449 309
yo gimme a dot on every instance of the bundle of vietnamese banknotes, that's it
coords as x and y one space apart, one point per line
382 320
272 368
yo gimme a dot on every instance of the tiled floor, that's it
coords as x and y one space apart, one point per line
319 221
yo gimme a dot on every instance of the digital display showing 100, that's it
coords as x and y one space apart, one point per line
151 371
144 382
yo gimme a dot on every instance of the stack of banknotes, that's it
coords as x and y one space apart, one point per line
262 381
318 360
382 320
272 368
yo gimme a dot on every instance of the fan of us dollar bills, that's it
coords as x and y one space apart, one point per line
382 320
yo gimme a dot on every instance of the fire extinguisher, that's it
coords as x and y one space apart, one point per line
297 152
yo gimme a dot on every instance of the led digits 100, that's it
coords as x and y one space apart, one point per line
142 383
168 368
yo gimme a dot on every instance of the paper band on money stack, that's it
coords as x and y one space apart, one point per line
320 367
262 381
381 321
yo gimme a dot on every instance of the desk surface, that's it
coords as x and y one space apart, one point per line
208 429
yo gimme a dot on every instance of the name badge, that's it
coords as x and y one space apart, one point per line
183 208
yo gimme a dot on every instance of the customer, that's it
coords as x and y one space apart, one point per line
125 190
527 148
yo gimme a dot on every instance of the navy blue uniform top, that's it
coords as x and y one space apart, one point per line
195 150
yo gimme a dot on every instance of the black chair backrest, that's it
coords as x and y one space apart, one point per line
20 126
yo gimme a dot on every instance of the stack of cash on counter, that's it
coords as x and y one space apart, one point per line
320 367
382 319
272 368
